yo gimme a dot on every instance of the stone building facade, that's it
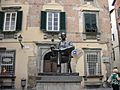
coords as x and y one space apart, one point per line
86 23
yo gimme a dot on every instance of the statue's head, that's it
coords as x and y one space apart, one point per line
63 35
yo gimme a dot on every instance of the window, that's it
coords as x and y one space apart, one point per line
90 25
90 22
10 21
93 62
7 63
53 21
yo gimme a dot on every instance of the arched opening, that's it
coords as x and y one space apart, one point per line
48 65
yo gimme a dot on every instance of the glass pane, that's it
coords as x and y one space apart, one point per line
49 24
55 19
6 27
8 15
55 23
7 19
49 28
7 23
12 23
50 15
50 19
13 19
12 27
55 14
55 28
13 15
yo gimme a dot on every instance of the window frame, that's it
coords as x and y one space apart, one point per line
98 63
91 35
10 20
62 21
53 17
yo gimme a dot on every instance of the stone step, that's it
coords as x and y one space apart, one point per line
70 79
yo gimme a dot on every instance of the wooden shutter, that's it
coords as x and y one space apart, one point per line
19 20
90 22
87 22
43 20
62 22
1 20
93 22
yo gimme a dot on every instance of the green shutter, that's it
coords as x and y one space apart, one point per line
1 21
62 22
43 20
90 22
19 21
87 22
93 23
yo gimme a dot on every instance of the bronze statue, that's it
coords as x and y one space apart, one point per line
63 51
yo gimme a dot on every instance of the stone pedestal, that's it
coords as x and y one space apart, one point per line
58 81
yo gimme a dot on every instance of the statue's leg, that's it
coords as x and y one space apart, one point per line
69 67
59 63
58 68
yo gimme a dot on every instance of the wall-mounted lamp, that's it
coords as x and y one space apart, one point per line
23 83
20 40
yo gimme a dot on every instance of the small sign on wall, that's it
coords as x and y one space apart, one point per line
106 59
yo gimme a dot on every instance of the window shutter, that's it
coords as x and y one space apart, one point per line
43 20
90 22
62 22
87 22
93 23
1 20
19 20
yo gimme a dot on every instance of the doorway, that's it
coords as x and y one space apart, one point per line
48 65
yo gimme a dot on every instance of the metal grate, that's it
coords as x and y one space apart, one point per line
7 60
92 63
